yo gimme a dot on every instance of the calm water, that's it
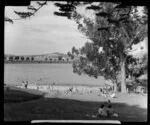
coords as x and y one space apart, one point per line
46 74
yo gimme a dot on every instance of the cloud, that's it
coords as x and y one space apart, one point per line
42 33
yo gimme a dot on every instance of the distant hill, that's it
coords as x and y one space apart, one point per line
56 54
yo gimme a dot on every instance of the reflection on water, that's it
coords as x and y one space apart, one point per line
46 74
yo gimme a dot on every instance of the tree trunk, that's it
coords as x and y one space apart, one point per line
115 87
123 77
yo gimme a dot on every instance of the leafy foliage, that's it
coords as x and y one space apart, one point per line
8 20
31 8
23 14
27 14
66 9
93 7
116 29
70 55
41 4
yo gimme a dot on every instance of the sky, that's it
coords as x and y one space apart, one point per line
41 34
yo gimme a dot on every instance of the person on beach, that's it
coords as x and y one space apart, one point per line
23 84
53 84
70 89
113 95
104 93
26 84
101 90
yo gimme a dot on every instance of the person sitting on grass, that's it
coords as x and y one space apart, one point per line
102 111
110 112
107 111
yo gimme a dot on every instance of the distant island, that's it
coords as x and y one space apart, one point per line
43 58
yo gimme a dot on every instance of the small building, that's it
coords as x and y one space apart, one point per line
140 89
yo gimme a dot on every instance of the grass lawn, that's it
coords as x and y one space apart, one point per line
35 107
13 94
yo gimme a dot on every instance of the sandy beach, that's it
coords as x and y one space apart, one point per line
130 99
86 93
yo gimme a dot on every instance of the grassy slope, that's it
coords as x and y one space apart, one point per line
18 96
61 109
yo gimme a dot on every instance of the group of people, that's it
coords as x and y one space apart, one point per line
106 110
77 91
25 84
106 92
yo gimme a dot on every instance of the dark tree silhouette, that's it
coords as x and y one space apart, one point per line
11 58
17 58
22 58
24 15
59 58
46 59
32 58
27 59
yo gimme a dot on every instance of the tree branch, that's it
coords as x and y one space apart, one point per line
133 39
31 14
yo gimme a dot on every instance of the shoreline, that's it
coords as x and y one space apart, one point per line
58 85
36 62
63 88
62 84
